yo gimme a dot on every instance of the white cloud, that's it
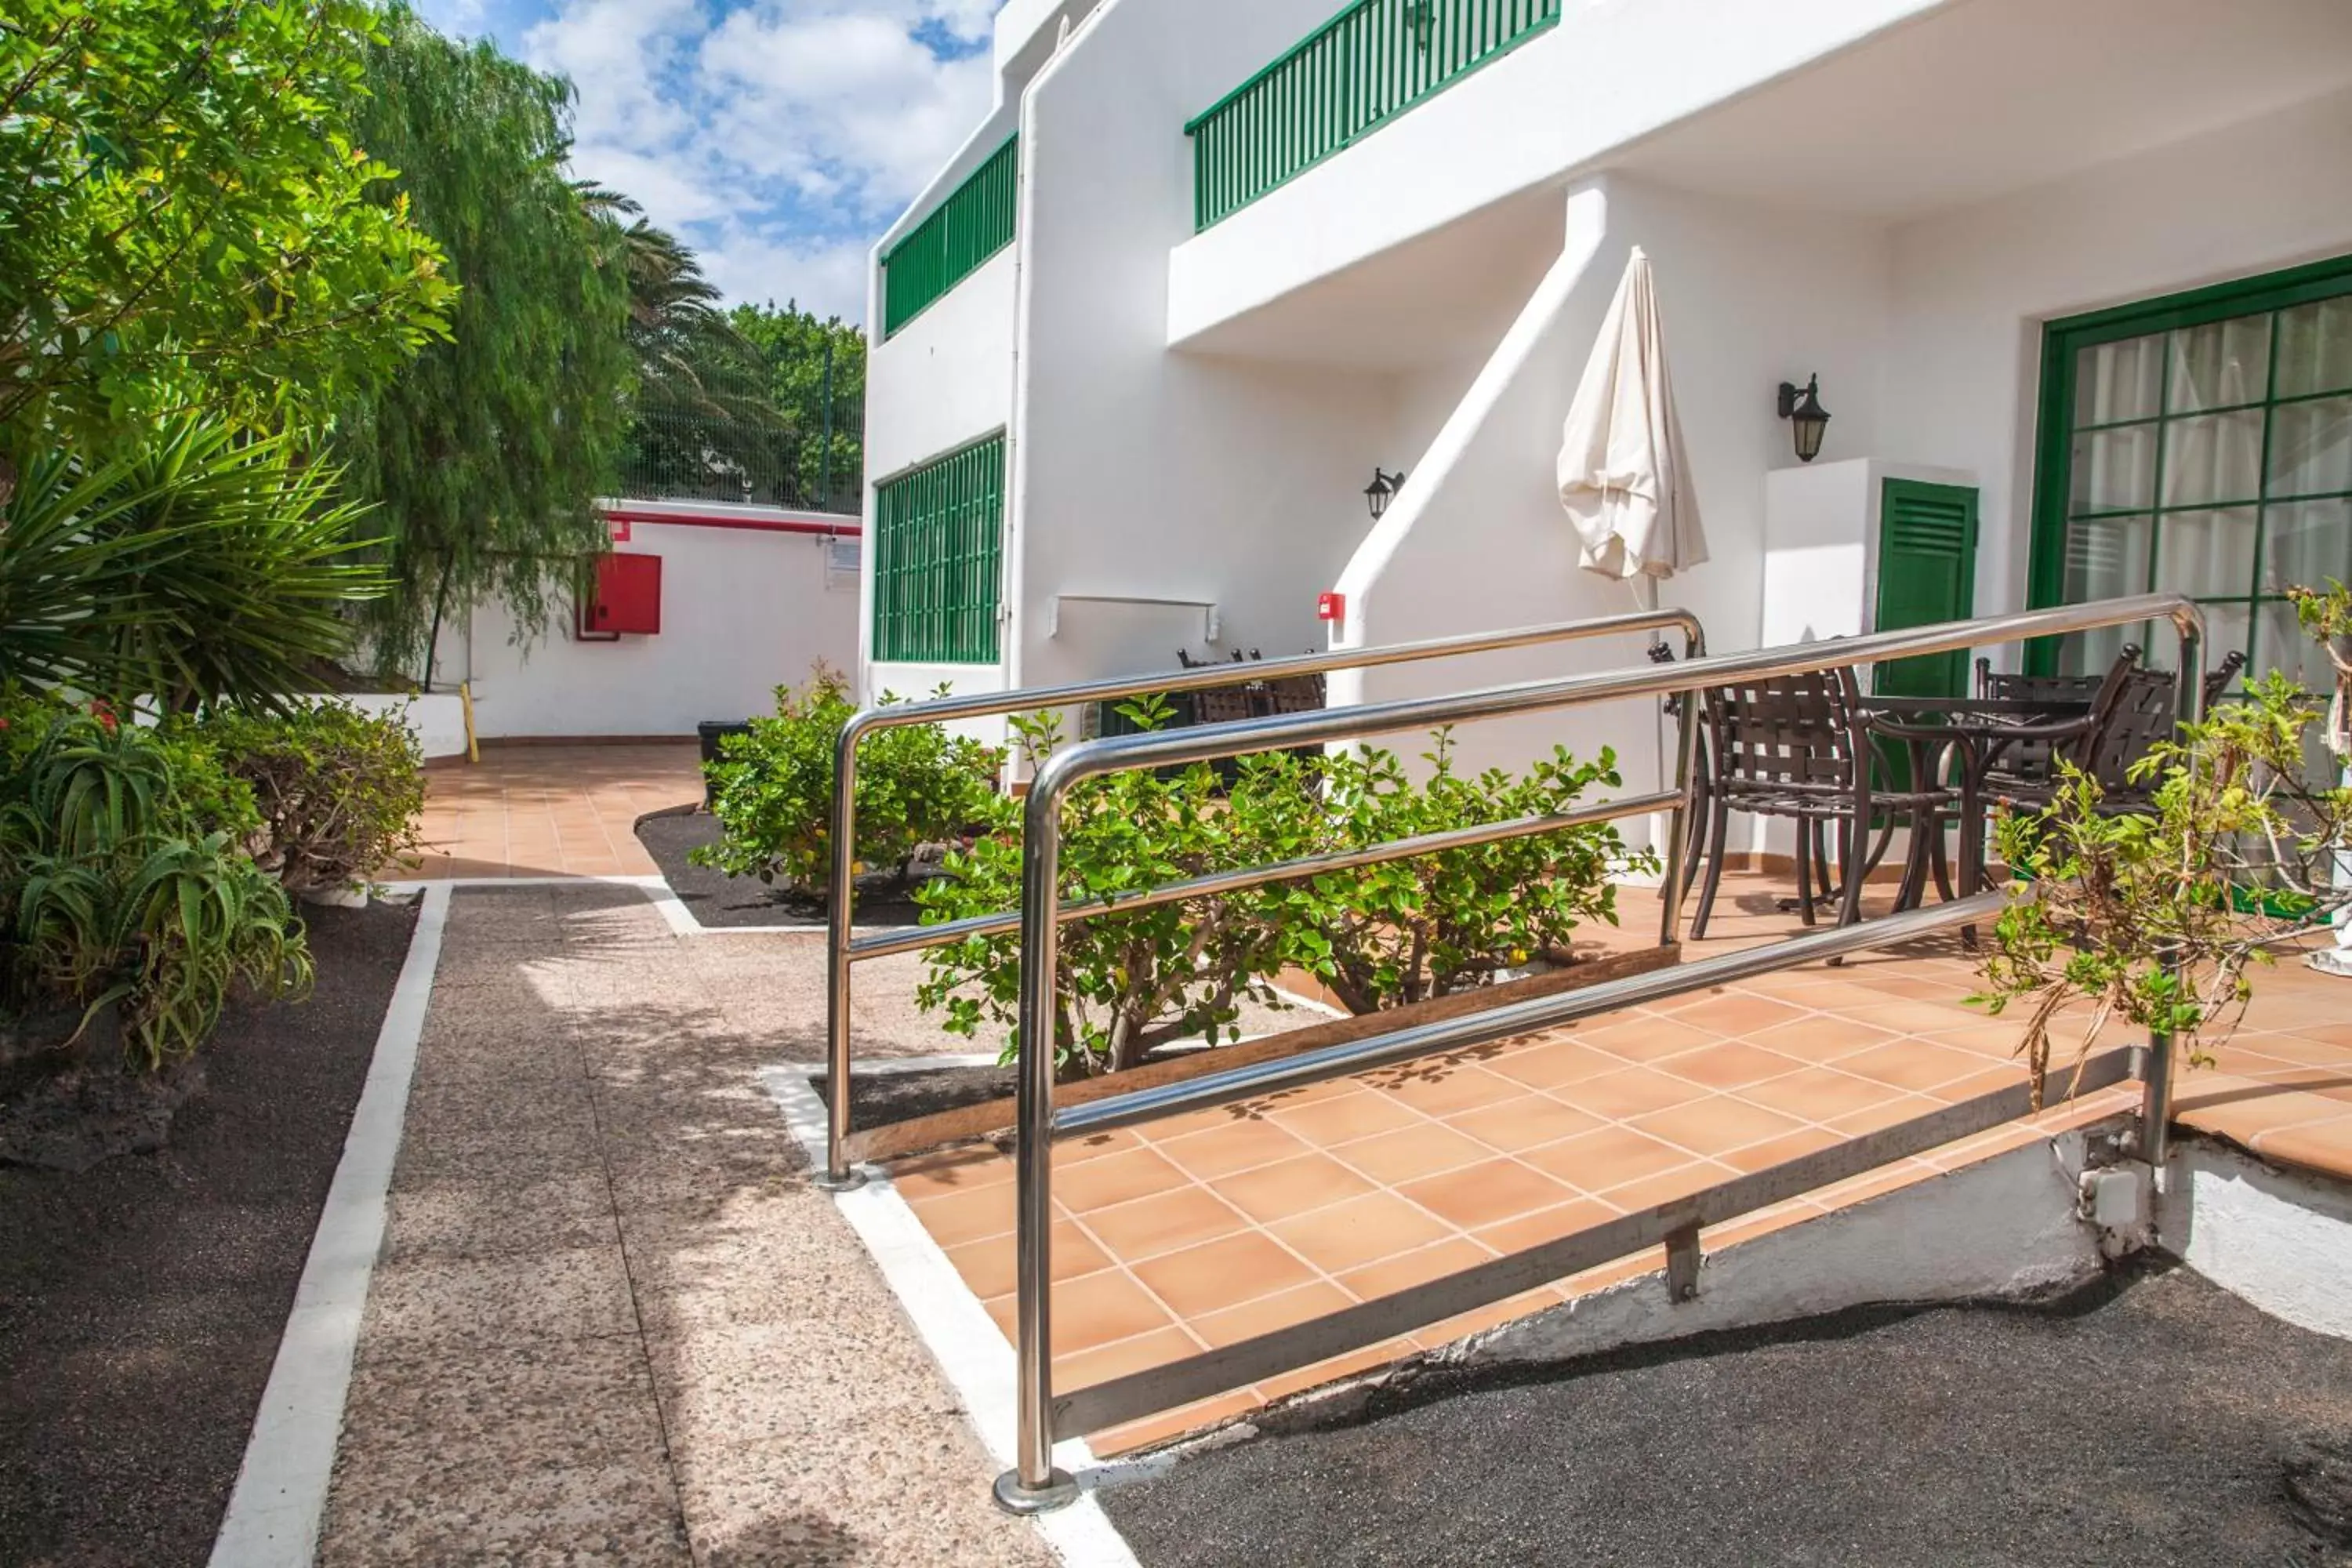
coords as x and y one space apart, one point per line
459 18
853 104
776 136
827 279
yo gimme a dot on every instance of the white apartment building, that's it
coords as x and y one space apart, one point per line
2075 277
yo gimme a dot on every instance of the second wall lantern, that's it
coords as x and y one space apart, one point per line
1802 406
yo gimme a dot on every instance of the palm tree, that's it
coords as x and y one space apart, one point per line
707 424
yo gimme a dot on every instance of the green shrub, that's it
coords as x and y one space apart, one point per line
338 792
773 792
2158 915
117 891
1129 983
1380 937
1408 931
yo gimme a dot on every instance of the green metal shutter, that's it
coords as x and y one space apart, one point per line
1926 574
938 550
962 232
1365 67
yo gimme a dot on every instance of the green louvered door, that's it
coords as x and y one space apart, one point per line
1926 574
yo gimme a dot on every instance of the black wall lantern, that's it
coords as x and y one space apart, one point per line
1382 490
1803 409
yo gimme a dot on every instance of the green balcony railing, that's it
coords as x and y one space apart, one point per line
1362 68
938 541
973 224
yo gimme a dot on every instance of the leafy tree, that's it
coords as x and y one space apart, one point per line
488 452
186 222
811 365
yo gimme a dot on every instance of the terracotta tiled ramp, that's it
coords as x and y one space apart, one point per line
2283 1089
1195 1233
554 811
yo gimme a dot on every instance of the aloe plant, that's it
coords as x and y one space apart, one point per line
117 892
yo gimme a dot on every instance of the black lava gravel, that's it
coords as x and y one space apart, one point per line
2154 1421
881 1100
140 1303
715 899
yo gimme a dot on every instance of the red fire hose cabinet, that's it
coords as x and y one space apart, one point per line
625 599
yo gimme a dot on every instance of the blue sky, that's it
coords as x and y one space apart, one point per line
778 137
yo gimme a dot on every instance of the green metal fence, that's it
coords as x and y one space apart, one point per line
938 538
1363 67
723 423
973 224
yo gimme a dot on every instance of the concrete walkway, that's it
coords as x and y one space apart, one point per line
611 1322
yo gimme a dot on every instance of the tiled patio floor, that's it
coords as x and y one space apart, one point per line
553 811
1198 1232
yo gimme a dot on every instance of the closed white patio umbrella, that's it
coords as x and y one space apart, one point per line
1623 477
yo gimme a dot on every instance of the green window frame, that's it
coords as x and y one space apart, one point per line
1365 67
2298 319
959 237
939 540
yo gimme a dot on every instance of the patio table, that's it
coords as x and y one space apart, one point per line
1975 732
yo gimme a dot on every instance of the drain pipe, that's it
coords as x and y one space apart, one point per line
1013 558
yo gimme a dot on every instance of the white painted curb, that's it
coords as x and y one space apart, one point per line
961 1336
281 1498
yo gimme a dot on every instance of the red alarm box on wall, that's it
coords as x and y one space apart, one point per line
625 599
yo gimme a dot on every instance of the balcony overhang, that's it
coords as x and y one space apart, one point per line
1994 96
1606 75
1864 118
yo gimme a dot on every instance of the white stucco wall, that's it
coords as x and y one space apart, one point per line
1750 297
1970 287
437 719
2281 1240
2002 1229
1136 472
743 613
1820 545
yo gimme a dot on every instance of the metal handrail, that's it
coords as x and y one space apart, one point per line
842 949
1032 1485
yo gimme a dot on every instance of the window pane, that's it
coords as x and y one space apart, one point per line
2221 364
2213 457
2229 628
2288 649
2115 470
2316 348
2206 553
2106 559
2115 381
2310 545
2311 448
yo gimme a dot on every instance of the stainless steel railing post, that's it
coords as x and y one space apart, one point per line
841 893
2188 706
842 870
1032 1485
1685 821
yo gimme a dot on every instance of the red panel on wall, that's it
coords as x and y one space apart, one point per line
628 598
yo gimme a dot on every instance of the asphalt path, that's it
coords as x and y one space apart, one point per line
2153 1420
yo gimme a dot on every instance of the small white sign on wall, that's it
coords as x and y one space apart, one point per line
844 558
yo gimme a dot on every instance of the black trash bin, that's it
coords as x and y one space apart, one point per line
710 731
